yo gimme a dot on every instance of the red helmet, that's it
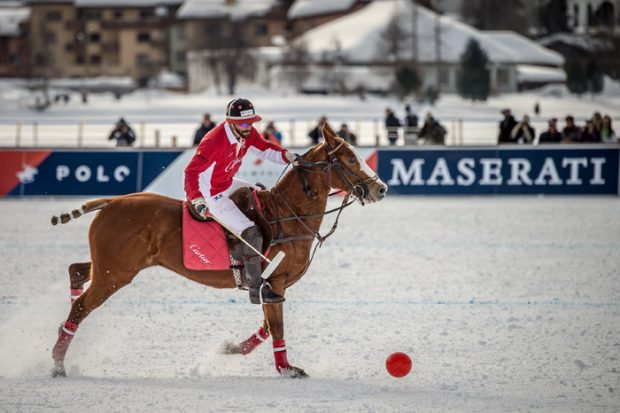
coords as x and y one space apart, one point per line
241 111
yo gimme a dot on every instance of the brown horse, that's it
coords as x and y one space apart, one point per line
136 231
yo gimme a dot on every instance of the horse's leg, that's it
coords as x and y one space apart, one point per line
248 345
102 287
274 316
79 274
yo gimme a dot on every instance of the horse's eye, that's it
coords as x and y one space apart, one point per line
353 160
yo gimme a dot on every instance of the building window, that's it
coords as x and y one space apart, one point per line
54 16
143 59
79 59
503 77
94 38
93 15
261 29
118 14
144 37
95 59
70 47
41 60
50 38
146 14
444 77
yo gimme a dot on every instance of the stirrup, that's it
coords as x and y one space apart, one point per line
265 295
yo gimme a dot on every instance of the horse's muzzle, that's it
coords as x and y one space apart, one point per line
376 191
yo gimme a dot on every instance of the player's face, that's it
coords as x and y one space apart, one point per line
243 129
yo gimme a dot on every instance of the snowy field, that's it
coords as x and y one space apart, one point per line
504 304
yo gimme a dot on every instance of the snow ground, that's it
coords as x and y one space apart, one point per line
504 304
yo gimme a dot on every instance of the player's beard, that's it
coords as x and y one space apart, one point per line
241 134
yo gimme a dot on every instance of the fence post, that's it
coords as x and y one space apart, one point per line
292 132
142 137
453 128
461 131
35 134
157 138
80 137
18 133
376 131
174 141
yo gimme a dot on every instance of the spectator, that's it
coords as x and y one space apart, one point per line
316 134
272 134
123 134
506 126
571 133
589 133
537 108
597 120
411 126
607 131
391 124
206 125
551 135
523 132
347 135
432 131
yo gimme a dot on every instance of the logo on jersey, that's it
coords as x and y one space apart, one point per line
232 164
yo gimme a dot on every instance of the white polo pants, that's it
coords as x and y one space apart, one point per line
223 208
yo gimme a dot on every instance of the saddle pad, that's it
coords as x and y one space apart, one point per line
204 244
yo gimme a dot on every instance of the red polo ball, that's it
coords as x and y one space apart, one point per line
398 364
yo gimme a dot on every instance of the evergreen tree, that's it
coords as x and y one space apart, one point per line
576 80
553 16
594 74
407 81
474 79
496 15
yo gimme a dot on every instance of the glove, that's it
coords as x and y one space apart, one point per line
200 206
293 158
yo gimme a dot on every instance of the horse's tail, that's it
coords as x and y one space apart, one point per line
91 206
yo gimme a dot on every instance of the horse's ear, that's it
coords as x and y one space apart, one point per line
329 135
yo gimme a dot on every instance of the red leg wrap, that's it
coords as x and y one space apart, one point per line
254 341
64 339
279 354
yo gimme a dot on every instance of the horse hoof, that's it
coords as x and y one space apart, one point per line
59 370
294 373
230 348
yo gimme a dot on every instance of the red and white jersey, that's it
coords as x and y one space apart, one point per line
218 158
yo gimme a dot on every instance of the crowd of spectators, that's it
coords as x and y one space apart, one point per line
596 129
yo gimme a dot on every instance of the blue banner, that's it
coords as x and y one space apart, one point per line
536 170
94 172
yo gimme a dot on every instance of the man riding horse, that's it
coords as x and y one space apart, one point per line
210 181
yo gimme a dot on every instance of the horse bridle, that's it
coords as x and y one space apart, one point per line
357 189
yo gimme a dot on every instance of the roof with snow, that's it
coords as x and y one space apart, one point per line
238 9
357 37
309 8
10 18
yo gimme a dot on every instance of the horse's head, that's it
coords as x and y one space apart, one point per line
348 171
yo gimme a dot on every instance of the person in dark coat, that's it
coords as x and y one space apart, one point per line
506 126
316 134
206 125
523 132
392 124
411 126
571 132
552 134
122 133
432 131
347 135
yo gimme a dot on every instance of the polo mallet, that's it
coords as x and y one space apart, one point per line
273 263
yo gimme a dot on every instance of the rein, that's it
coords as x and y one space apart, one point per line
319 167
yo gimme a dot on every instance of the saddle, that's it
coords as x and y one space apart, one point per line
206 245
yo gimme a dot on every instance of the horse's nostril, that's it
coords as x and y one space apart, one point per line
382 190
